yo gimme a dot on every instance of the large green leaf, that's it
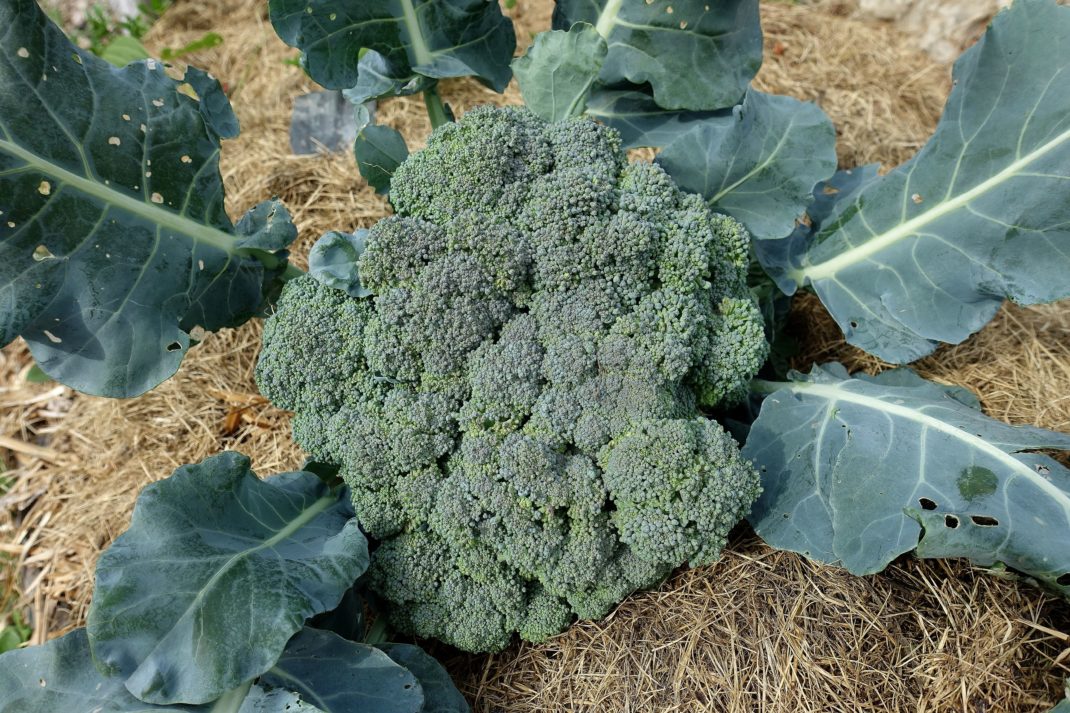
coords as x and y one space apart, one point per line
929 252
695 54
758 164
440 694
856 470
640 121
216 572
59 677
557 72
114 242
340 676
411 38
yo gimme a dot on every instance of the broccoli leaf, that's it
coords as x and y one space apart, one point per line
412 38
1063 706
114 241
758 164
340 676
855 470
60 676
640 121
928 253
379 151
245 562
333 261
557 72
695 54
440 694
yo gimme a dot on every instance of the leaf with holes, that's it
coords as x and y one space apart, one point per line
758 164
928 253
217 561
440 694
412 39
695 54
557 72
114 241
856 470
341 676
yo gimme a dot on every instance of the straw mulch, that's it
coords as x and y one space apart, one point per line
760 630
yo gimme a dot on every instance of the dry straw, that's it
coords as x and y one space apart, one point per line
760 630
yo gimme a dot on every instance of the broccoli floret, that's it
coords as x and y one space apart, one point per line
516 408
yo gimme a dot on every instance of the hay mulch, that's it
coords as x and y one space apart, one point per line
760 630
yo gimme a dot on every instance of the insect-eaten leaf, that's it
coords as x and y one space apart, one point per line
694 54
114 241
857 471
409 38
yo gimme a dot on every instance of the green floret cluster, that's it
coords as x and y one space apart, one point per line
517 409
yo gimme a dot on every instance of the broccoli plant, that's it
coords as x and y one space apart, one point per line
517 408
518 375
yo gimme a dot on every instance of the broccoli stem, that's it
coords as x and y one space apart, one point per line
435 108
762 387
377 632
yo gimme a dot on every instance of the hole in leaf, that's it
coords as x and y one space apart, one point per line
174 347
42 253
854 324
951 521
927 504
984 520
1043 469
1064 580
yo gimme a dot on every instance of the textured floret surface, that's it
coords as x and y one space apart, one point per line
518 408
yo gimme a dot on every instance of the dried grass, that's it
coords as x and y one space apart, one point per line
760 630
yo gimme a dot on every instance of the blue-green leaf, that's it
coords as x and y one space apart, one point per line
340 676
928 253
429 38
216 572
440 694
114 241
640 121
856 470
377 77
1064 705
695 54
759 164
379 151
59 677
557 72
333 261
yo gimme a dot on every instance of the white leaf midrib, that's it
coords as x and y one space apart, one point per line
198 232
837 394
911 228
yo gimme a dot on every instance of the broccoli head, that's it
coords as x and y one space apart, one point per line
517 409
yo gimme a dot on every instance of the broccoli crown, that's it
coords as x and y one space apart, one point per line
516 410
